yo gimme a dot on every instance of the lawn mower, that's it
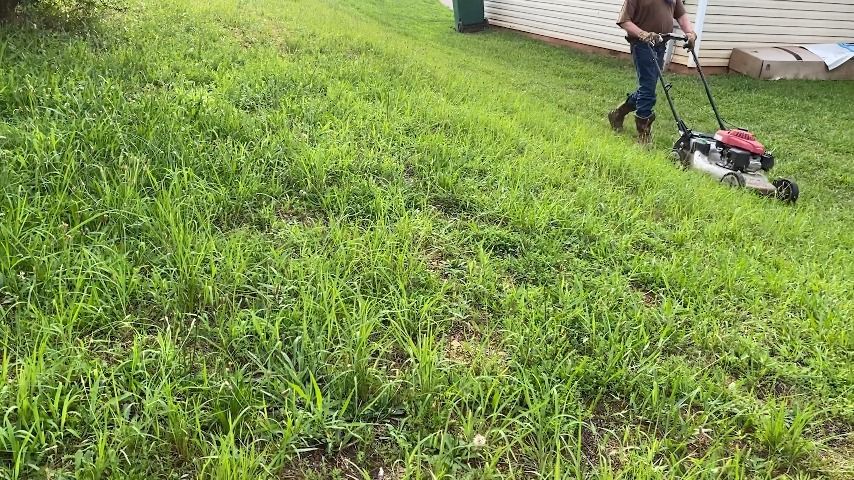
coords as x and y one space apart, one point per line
732 155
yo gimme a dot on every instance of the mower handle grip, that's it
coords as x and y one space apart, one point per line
668 37
676 38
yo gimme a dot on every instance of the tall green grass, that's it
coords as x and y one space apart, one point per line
320 239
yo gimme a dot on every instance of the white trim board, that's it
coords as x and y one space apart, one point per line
699 23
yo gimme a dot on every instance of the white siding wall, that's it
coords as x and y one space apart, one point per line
680 55
589 22
728 23
745 23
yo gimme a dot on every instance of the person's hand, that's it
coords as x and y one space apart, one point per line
691 38
651 38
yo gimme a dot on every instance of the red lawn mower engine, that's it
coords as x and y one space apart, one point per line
741 152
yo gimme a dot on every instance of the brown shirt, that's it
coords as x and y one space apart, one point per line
652 15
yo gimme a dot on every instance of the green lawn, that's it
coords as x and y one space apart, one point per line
317 238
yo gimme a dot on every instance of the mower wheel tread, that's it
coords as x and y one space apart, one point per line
787 190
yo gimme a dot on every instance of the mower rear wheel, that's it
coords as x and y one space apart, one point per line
786 190
733 179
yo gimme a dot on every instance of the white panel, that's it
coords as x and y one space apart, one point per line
727 24
749 12
561 33
778 26
773 6
591 23
570 21
752 23
601 9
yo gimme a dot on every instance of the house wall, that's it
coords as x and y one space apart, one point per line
693 7
588 22
727 24
581 21
750 23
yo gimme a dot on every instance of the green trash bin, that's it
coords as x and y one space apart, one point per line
469 16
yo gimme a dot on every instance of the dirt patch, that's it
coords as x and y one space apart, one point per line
293 216
837 432
315 465
838 460
598 443
396 361
246 39
438 264
451 206
601 433
410 176
265 33
465 345
444 265
604 436
773 387
650 298
699 444
348 463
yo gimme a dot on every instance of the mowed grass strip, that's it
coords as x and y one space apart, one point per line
316 239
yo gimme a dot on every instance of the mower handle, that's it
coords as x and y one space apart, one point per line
688 46
676 38
668 37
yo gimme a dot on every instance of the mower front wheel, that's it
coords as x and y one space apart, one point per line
786 190
680 157
734 179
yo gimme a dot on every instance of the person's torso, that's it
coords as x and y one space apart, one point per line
655 15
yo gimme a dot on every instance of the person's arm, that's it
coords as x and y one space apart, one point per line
687 28
633 30
636 32
626 22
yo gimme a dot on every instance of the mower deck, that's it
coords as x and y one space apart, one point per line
752 180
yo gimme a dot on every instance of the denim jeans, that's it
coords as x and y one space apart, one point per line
644 55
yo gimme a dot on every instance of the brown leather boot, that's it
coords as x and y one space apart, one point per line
616 117
644 126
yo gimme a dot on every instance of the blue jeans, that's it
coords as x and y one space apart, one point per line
644 55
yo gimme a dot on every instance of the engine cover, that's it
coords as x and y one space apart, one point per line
741 139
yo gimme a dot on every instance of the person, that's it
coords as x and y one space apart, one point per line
644 22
